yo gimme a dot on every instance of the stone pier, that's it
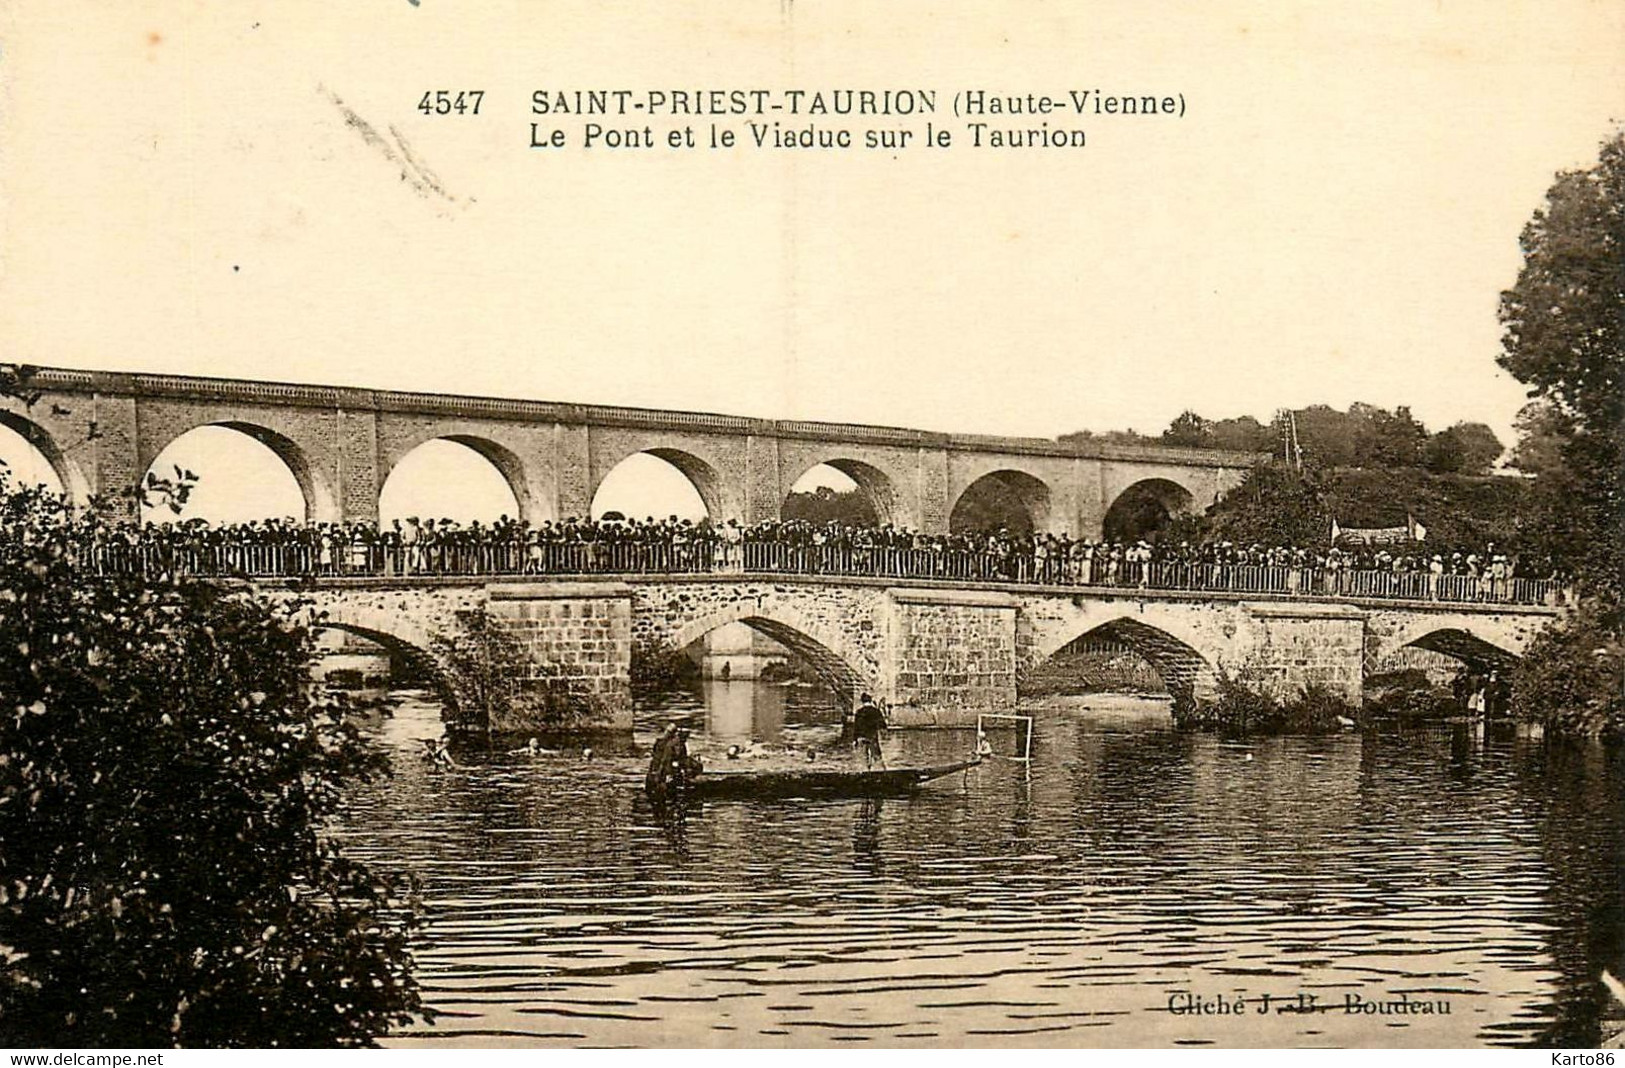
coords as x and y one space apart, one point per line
953 654
577 637
1293 647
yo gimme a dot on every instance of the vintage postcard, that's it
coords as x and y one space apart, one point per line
800 523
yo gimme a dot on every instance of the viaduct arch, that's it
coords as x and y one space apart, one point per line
341 444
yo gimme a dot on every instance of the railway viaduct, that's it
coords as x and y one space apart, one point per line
101 432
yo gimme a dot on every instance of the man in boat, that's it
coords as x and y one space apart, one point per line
684 767
658 781
671 768
867 723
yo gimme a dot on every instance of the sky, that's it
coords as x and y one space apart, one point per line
249 190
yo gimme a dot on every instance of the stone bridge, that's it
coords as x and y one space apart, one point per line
101 432
938 652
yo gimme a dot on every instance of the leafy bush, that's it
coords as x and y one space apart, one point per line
167 767
1572 679
1241 708
1408 694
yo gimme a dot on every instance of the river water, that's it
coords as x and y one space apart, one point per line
1128 873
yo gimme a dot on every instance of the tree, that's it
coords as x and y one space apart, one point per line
1564 331
1243 434
1364 436
829 505
1543 430
1274 505
1565 338
1574 675
1190 431
1327 436
1386 439
1464 449
989 506
1109 437
167 769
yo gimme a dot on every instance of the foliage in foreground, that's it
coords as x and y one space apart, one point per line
1565 339
1572 678
166 771
1240 707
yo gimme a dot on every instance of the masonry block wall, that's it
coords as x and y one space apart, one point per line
578 639
952 651
114 470
1291 647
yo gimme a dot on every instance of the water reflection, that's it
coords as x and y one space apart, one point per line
1063 903
744 712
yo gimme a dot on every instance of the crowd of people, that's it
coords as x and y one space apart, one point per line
434 547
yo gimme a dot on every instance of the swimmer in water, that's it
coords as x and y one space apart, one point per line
436 754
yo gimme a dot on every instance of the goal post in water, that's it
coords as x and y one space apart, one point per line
1005 721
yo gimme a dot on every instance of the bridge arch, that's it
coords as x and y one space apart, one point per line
1009 498
503 460
395 646
1462 642
388 627
320 502
837 664
400 633
1174 657
511 451
873 484
700 473
1145 507
69 476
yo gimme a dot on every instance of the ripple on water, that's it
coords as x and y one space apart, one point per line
1060 909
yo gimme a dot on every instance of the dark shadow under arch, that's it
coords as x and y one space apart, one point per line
833 669
1177 664
1466 647
834 672
1094 663
1013 500
418 660
1144 508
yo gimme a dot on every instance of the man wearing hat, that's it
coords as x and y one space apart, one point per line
867 723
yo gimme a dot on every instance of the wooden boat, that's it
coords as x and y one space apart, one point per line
819 782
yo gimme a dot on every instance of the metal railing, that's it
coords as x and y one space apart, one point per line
324 558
